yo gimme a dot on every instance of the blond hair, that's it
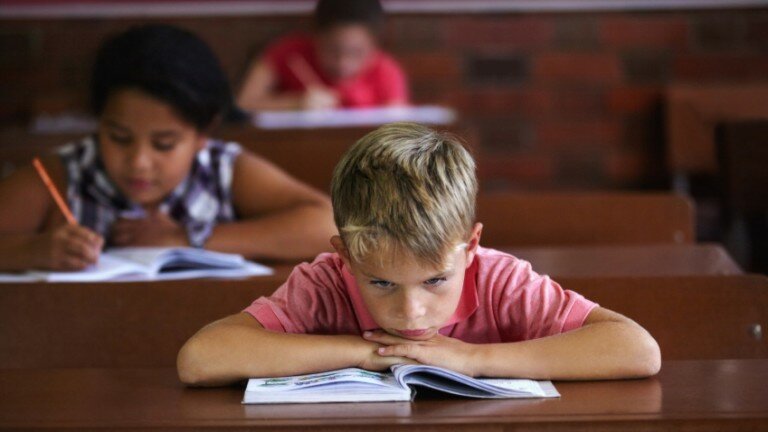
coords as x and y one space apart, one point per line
404 189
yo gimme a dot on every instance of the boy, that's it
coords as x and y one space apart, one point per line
410 283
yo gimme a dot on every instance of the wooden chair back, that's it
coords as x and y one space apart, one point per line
551 219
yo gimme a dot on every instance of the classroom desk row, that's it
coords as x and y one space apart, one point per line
694 395
145 324
629 260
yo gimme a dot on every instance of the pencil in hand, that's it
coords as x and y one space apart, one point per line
54 191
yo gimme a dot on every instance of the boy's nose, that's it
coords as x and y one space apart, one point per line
412 307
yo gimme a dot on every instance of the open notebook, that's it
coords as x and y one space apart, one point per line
150 263
359 385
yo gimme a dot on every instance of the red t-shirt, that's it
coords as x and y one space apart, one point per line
380 82
502 300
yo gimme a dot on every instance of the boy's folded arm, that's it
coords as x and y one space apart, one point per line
238 347
607 346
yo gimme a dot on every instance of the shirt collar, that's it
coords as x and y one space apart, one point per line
468 302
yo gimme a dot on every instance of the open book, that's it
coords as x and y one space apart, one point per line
152 263
359 385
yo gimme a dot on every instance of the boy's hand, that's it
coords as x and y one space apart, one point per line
67 247
440 351
157 229
376 362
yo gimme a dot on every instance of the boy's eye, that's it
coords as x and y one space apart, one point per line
381 283
434 281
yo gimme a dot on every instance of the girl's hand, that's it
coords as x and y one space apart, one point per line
317 97
440 351
157 229
66 247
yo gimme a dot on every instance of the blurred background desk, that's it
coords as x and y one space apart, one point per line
696 395
628 260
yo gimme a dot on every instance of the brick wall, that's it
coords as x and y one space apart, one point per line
560 100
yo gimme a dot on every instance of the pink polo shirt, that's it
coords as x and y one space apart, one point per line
381 82
503 300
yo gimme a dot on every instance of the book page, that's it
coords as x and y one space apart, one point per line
344 385
349 375
456 383
108 267
158 260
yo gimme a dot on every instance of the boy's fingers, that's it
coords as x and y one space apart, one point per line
404 350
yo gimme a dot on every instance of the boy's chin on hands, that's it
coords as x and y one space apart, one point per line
395 336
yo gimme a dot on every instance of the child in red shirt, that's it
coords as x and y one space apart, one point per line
338 65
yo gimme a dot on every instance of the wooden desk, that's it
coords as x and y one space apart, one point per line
594 218
144 324
115 324
310 155
629 260
691 395
691 317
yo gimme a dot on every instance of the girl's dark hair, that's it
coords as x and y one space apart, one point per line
329 13
168 63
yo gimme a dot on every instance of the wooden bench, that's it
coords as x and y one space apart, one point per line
145 324
551 219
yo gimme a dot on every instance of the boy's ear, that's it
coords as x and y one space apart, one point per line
474 242
341 249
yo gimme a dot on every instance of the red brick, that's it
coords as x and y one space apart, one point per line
631 100
757 33
430 67
626 168
506 31
588 134
581 68
578 103
721 32
576 32
644 31
724 66
581 168
497 101
414 32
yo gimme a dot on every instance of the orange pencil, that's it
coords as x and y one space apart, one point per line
54 192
